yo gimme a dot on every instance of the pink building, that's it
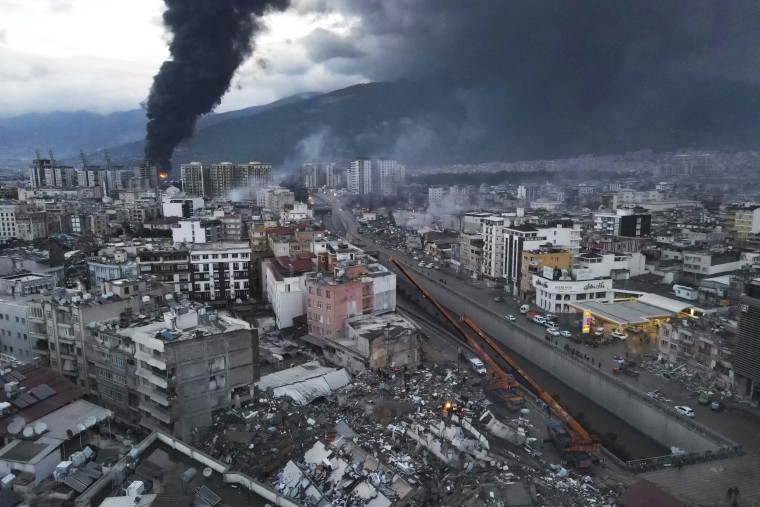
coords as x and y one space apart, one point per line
330 299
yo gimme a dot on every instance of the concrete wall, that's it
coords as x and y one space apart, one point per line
197 397
656 420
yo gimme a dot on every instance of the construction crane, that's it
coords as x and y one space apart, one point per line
579 447
573 439
500 374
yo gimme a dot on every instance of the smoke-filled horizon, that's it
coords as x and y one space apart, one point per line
210 39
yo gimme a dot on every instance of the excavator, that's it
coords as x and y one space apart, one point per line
580 450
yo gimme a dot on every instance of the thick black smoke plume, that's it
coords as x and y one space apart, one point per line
211 38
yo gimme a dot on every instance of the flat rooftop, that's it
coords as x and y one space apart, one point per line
623 313
371 327
28 451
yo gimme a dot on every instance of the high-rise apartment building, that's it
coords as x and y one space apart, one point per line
335 175
225 179
390 176
746 359
623 222
359 177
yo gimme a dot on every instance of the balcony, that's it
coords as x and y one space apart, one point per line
159 397
156 411
155 361
151 377
41 347
34 335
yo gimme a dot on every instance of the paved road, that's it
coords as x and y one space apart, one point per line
735 424
732 423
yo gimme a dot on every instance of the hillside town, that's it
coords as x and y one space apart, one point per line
222 340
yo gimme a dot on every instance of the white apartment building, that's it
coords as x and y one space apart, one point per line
275 198
574 286
359 177
435 195
197 230
296 212
623 222
284 284
8 226
220 271
391 175
472 221
335 175
601 265
492 260
181 206
524 237
746 220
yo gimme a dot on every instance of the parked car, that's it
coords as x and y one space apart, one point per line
716 406
684 411
539 319
565 334
509 317
549 323
553 331
705 398
619 334
498 299
599 331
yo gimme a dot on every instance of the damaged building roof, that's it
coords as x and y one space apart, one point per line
303 384
371 327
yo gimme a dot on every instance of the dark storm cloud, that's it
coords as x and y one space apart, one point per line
523 40
572 70
322 45
210 39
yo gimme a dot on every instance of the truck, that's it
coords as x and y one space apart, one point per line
477 366
524 309
506 391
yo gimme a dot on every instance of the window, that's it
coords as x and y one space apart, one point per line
327 294
117 362
329 307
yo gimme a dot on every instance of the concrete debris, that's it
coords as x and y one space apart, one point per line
394 437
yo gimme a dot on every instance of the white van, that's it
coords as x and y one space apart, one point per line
477 366
524 309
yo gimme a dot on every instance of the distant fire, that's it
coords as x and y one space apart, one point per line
163 176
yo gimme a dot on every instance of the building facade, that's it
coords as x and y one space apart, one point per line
359 177
747 355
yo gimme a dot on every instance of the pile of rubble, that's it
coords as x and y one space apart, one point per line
395 436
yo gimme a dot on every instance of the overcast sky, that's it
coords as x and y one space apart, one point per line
606 57
101 55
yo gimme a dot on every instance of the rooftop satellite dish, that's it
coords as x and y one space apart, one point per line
90 421
15 427
81 427
207 472
40 428
28 432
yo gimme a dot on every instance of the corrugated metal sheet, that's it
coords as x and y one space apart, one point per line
672 305
293 375
307 391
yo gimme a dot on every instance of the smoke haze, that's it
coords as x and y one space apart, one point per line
210 39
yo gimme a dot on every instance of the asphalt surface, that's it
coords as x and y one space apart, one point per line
737 424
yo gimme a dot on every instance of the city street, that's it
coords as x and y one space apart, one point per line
731 422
